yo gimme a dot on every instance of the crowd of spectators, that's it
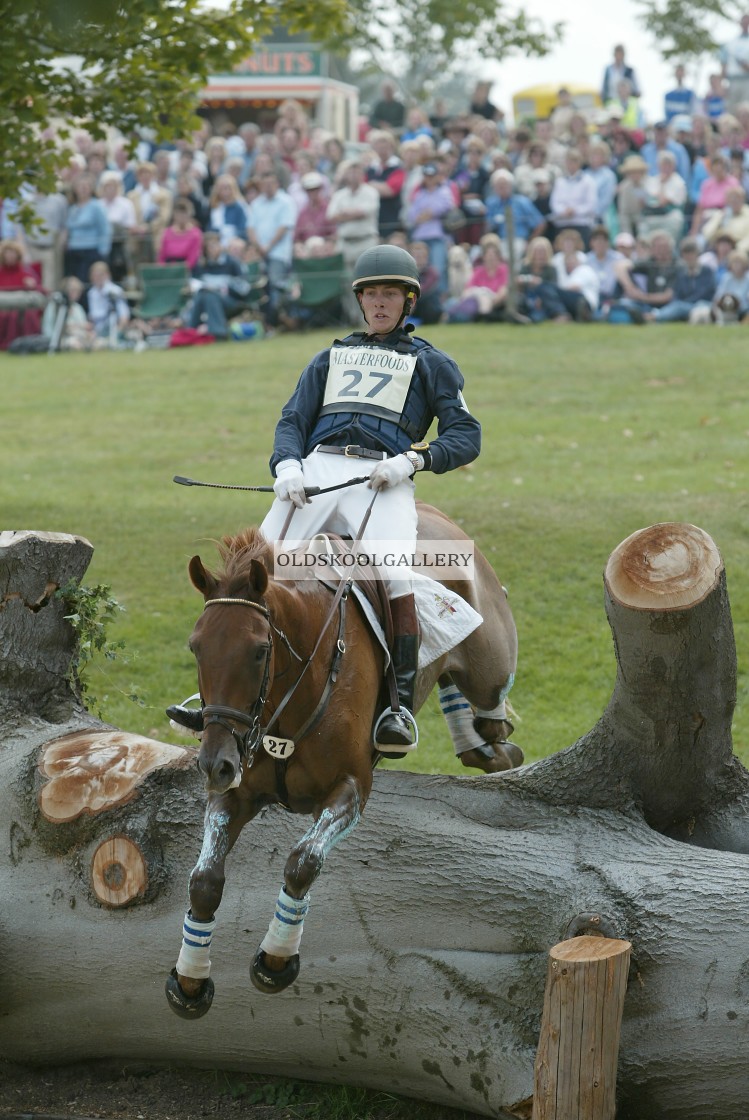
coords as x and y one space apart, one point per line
580 216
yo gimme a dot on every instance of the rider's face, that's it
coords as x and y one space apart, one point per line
382 307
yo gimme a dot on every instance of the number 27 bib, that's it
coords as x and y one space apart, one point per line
368 379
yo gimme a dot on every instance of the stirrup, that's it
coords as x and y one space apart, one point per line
396 749
182 718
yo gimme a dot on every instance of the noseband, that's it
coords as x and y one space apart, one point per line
247 743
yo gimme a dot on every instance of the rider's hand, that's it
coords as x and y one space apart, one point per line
390 472
289 484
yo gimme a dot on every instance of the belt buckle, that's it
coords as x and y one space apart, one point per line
350 451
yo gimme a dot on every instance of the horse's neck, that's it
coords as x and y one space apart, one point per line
296 608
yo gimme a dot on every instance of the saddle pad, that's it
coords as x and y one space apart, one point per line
445 618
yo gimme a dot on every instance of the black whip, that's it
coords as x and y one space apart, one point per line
310 491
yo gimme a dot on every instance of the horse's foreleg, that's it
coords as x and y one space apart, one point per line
276 964
189 988
480 737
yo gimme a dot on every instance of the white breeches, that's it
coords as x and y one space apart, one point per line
393 517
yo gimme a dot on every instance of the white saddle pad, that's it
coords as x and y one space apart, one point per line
445 619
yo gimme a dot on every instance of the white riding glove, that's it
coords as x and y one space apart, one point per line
390 472
289 484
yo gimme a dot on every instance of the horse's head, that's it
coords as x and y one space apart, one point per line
232 645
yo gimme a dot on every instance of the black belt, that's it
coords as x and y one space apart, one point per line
351 451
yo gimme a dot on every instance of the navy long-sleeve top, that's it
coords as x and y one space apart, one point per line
435 391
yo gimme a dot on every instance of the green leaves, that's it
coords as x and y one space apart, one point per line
423 40
689 28
90 611
121 63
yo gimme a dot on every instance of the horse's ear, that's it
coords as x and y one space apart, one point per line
258 577
201 578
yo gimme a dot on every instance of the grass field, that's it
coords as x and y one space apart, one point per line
589 434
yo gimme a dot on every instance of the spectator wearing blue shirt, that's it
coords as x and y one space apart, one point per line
87 236
681 99
735 283
714 103
662 142
417 124
228 216
527 220
599 169
270 229
602 259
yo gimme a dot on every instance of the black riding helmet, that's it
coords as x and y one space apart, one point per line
388 264
383 264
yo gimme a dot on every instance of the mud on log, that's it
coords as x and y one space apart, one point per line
424 956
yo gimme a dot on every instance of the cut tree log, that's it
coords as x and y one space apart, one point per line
424 953
578 1050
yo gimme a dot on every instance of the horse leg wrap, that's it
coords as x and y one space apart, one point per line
500 712
194 956
458 715
285 930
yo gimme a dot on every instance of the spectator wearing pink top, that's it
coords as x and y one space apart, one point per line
313 220
713 192
183 239
485 294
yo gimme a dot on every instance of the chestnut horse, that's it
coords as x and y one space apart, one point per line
272 652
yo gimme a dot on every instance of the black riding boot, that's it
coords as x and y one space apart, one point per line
191 718
393 730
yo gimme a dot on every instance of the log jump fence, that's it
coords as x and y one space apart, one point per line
428 969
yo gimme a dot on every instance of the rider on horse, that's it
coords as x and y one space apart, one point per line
366 405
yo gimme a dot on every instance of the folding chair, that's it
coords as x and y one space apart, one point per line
164 289
321 281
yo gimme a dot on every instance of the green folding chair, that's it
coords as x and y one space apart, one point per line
164 289
321 281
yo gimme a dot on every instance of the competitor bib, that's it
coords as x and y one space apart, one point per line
368 379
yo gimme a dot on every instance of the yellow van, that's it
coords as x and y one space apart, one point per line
538 101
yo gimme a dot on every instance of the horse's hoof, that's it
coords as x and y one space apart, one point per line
513 751
268 981
184 1006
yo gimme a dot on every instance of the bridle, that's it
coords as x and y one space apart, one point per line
249 741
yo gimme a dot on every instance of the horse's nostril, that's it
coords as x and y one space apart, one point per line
225 772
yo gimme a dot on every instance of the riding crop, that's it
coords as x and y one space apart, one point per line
310 491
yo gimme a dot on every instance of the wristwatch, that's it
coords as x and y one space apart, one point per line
422 451
416 460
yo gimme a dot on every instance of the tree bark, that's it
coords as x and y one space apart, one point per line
38 645
424 953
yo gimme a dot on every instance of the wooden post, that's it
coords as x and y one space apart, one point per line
575 1076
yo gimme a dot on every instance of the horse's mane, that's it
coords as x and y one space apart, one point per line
237 554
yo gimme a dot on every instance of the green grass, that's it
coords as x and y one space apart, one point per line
589 434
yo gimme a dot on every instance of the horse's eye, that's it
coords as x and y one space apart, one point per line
261 653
